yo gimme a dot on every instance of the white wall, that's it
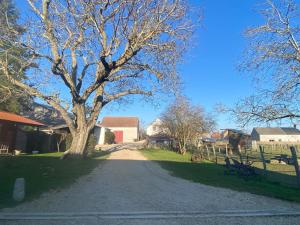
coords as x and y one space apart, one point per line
99 132
282 138
155 128
130 134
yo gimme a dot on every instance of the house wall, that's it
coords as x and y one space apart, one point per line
155 128
130 134
279 138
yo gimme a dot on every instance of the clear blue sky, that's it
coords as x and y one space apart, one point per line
209 70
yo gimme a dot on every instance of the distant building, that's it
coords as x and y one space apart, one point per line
157 136
236 138
275 134
44 114
216 135
155 128
126 129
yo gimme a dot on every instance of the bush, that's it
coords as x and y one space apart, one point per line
68 141
91 144
109 137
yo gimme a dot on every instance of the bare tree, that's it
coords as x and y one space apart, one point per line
185 122
99 52
274 56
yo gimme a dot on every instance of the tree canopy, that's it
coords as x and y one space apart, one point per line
273 55
12 98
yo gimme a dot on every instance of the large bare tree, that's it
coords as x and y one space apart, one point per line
185 122
274 56
98 52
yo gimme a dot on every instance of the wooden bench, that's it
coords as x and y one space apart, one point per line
4 149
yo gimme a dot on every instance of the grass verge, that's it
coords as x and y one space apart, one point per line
212 174
42 172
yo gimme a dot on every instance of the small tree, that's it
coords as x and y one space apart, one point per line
185 122
109 137
61 137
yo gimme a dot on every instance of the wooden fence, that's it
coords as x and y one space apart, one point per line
277 164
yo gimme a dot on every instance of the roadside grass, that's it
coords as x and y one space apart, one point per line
212 174
42 173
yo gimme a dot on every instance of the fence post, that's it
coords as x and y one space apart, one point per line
207 152
261 149
214 150
226 150
296 164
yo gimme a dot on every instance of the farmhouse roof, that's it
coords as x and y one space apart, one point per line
110 121
6 116
277 131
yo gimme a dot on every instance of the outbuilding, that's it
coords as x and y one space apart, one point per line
275 134
126 129
11 136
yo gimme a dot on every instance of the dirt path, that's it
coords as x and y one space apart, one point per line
128 183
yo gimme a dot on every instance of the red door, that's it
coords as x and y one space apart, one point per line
118 136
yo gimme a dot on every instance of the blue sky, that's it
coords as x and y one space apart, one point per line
209 70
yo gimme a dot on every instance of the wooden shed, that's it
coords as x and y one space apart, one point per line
9 128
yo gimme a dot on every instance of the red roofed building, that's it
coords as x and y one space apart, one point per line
10 134
126 129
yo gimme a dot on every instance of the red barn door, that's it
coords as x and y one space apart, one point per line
118 136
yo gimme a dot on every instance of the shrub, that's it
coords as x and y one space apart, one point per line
68 141
109 137
91 144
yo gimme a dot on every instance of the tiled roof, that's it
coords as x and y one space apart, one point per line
277 130
119 122
6 116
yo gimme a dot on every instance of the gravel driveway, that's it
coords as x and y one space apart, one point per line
128 189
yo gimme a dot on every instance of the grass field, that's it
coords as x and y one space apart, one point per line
42 172
213 174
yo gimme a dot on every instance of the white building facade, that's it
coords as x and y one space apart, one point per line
155 128
275 134
126 129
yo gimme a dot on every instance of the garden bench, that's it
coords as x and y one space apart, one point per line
4 149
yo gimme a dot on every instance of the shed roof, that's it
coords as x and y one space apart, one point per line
6 116
110 121
277 131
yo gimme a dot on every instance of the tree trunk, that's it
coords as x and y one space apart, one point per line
79 136
182 148
78 148
78 145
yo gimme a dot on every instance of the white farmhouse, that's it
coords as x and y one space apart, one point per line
275 134
155 128
126 129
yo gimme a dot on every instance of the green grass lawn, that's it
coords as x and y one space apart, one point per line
212 174
42 172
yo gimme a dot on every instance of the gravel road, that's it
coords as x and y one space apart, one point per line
128 189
